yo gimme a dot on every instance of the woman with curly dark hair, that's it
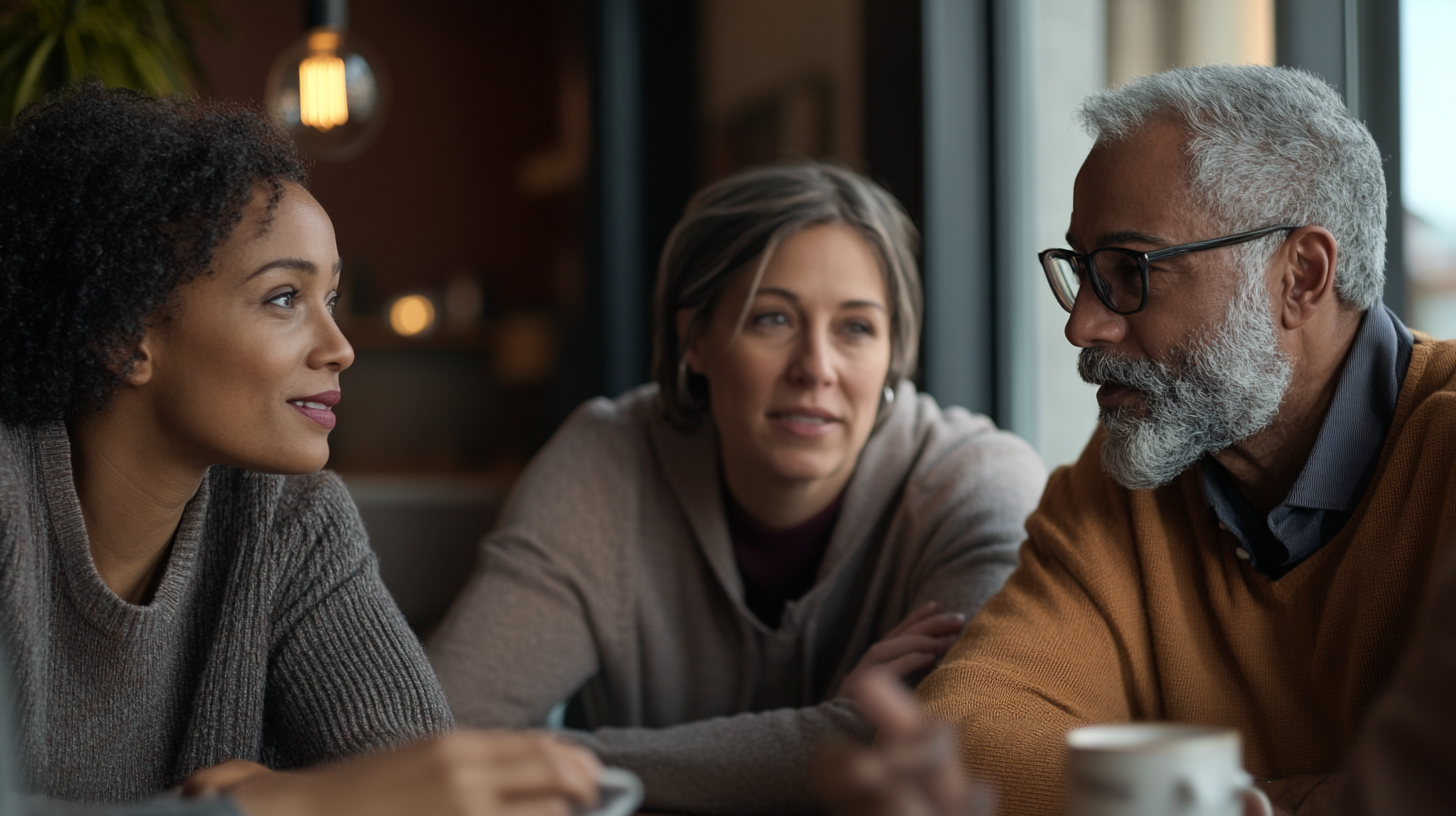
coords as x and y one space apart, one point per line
180 591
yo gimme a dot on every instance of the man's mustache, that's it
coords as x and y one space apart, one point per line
1098 366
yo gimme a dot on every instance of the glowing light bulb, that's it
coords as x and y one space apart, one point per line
328 89
323 96
411 315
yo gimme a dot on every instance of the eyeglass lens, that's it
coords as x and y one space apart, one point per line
1119 279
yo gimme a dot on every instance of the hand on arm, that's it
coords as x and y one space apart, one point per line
916 643
468 773
911 770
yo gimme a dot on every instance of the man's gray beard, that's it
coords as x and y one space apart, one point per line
1209 395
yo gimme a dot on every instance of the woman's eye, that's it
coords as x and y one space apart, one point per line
284 299
333 301
768 319
860 327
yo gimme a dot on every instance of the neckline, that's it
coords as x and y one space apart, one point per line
1288 586
740 518
90 595
690 464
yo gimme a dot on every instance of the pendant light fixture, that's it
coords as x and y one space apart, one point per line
328 89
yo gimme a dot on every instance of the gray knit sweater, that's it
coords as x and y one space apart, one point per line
611 571
270 638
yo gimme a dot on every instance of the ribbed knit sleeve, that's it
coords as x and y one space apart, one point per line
348 675
161 806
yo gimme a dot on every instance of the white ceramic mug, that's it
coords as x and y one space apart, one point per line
1159 769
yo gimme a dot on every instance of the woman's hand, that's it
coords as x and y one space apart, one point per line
468 773
911 770
915 644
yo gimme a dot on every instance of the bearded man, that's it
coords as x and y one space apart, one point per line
1246 538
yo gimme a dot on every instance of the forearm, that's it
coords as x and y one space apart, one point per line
746 763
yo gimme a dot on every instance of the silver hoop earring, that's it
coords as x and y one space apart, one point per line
889 395
682 382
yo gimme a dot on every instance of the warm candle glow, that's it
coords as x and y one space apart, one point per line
323 100
411 315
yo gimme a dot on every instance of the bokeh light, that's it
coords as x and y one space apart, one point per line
411 315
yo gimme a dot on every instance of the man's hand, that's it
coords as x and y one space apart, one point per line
915 644
910 771
468 773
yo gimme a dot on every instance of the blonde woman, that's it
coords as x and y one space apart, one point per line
711 560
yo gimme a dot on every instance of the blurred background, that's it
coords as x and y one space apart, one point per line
510 169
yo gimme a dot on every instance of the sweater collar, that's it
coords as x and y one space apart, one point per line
90 595
690 464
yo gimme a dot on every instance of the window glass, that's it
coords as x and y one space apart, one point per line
1428 161
1080 47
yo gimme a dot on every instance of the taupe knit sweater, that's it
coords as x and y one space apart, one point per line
612 571
271 637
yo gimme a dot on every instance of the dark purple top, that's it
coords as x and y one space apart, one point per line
777 566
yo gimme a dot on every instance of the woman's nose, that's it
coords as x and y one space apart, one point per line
1092 324
813 364
331 349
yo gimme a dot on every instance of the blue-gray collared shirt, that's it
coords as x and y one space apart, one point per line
1339 467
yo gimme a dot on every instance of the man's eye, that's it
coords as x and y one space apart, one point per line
284 299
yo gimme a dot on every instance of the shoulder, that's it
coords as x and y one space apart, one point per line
603 426
15 487
1425 415
590 468
309 518
952 448
11 446
1085 516
1433 362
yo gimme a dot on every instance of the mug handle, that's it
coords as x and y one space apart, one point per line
1259 800
621 793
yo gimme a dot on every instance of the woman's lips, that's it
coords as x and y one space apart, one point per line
318 407
803 423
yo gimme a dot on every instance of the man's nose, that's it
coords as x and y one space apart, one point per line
1093 324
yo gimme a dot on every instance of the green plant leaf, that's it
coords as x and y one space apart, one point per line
75 54
143 44
27 88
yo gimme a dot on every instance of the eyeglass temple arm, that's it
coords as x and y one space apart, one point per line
1215 243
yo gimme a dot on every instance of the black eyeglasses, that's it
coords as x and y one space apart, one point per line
1119 275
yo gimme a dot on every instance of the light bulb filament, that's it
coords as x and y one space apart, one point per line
323 101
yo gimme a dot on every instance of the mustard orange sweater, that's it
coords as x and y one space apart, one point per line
1131 605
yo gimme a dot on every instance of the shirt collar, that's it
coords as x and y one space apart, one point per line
1344 455
1339 467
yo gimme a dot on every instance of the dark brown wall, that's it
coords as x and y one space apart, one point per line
476 86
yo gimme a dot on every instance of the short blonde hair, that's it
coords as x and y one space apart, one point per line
732 222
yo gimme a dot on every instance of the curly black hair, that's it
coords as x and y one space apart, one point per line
109 200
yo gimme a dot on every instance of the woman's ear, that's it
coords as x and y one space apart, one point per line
689 340
141 362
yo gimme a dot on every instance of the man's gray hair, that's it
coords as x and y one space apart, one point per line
1267 146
